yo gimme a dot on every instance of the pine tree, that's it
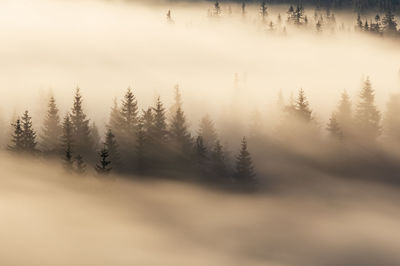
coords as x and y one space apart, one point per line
28 135
201 150
83 143
52 129
244 166
17 137
389 23
129 114
112 147
367 116
141 156
179 134
333 127
302 107
66 143
103 167
207 132
160 123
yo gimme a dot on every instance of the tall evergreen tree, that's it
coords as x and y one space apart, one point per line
83 143
29 134
160 122
52 129
302 107
129 114
66 143
244 165
112 147
103 167
17 138
141 143
179 135
367 116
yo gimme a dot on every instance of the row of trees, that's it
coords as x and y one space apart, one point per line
142 142
385 25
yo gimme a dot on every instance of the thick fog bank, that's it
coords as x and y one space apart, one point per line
50 218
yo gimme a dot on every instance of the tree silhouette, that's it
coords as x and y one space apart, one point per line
17 138
218 161
28 134
103 167
160 123
367 116
115 120
66 143
244 166
129 114
83 143
179 134
112 148
302 107
52 129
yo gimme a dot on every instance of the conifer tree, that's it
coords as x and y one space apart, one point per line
17 138
66 143
333 127
177 101
112 147
160 122
201 150
367 116
207 132
129 114
302 107
179 134
141 156
28 135
103 167
343 114
244 166
83 143
52 129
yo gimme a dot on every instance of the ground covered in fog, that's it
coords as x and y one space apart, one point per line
49 218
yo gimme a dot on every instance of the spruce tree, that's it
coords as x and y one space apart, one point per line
66 143
302 107
103 167
83 143
244 165
17 138
141 156
179 134
160 122
112 147
367 116
207 132
129 114
28 135
52 129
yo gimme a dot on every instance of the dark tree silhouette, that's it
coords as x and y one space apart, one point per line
83 143
179 134
112 147
28 135
367 116
160 123
66 143
103 167
244 166
218 161
302 107
17 138
129 114
52 129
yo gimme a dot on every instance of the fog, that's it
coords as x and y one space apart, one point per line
50 218
106 46
319 200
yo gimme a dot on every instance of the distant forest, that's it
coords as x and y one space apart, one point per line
150 142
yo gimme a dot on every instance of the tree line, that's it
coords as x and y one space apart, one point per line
136 142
